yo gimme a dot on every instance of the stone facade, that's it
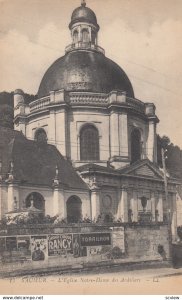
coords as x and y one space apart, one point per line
62 116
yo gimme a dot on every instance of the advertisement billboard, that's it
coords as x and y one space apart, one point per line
39 248
95 239
59 244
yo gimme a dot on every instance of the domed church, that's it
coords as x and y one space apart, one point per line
103 136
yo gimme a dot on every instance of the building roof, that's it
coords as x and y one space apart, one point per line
141 169
90 167
83 70
35 164
83 14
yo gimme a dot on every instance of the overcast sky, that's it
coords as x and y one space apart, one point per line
143 36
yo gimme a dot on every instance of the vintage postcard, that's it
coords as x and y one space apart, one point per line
90 147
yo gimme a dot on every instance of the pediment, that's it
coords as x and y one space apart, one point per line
144 169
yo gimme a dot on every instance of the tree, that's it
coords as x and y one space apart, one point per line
162 143
173 157
6 116
6 107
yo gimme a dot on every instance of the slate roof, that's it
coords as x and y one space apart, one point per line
35 164
83 14
99 74
142 168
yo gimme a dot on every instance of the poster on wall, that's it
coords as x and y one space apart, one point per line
78 250
76 245
118 238
24 246
59 244
94 250
95 239
39 248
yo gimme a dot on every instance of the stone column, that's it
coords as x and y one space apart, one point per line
134 206
59 202
79 34
95 203
159 207
153 206
90 34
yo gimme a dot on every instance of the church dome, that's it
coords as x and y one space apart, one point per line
83 14
87 71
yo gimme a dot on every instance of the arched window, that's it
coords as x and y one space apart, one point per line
89 143
41 136
85 36
75 36
35 199
74 209
135 145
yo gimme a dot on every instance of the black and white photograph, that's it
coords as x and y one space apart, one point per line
90 147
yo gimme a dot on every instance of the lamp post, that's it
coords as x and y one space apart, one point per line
163 152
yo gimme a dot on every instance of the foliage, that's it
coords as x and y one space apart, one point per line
174 156
7 98
162 142
24 219
6 107
6 116
115 253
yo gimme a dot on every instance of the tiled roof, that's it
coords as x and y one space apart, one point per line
35 164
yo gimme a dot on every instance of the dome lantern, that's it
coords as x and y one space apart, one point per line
84 29
83 3
84 67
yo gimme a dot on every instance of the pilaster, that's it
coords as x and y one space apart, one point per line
95 201
151 143
13 196
153 206
123 205
114 133
134 206
123 135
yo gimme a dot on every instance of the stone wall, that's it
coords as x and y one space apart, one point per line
145 241
42 247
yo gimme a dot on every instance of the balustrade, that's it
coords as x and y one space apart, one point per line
39 104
